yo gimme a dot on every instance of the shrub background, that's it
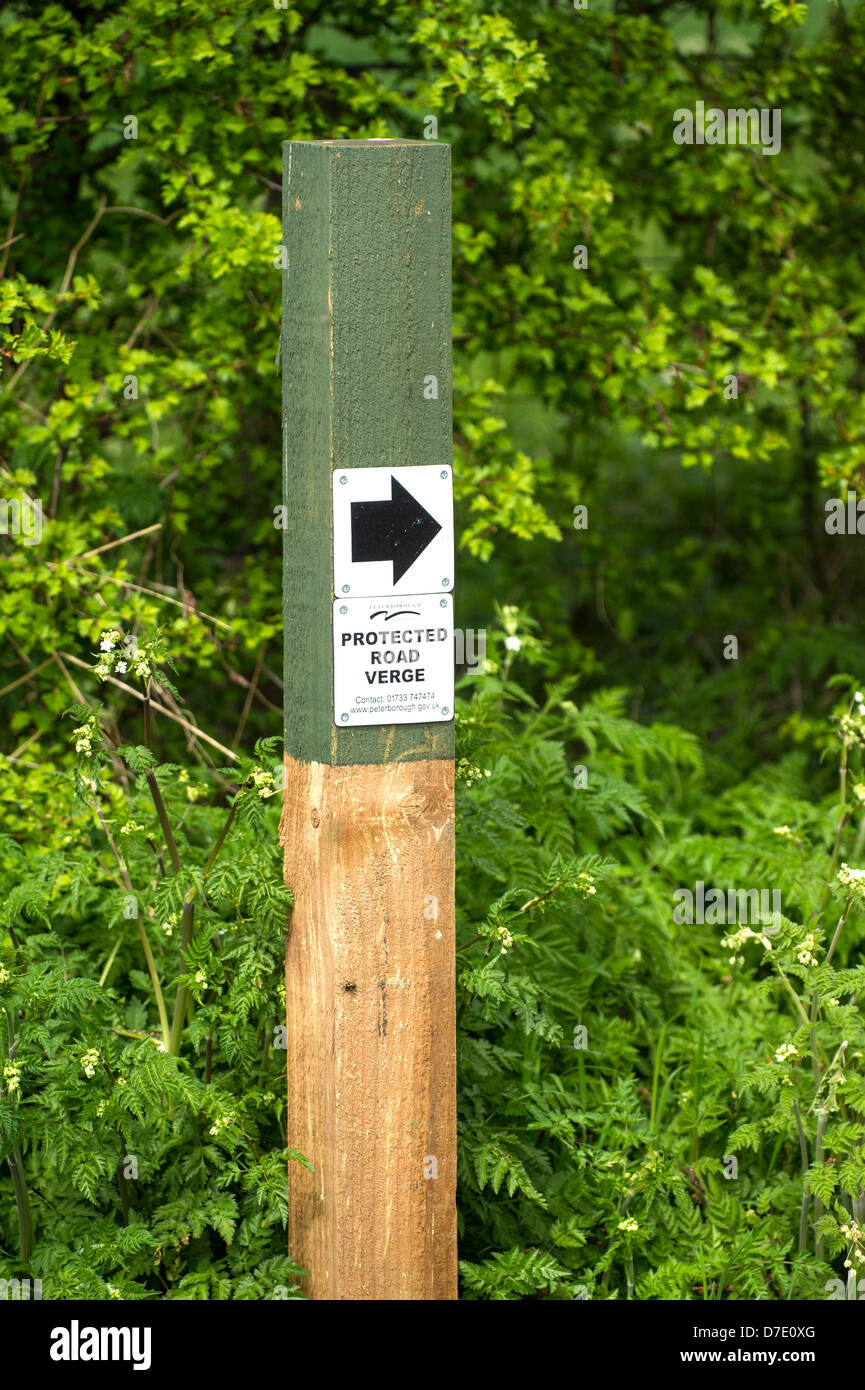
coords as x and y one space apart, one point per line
597 1170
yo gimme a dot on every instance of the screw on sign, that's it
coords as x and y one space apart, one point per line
368 815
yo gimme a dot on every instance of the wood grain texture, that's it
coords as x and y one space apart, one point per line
370 1018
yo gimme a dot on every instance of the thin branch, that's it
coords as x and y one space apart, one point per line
27 674
166 598
160 709
250 695
109 545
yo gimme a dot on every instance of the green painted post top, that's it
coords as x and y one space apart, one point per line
363 144
366 321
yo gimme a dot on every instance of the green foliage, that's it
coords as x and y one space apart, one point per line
159 1167
608 752
637 1103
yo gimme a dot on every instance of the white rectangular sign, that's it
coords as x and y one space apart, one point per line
393 531
393 660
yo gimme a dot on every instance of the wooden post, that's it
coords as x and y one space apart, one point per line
368 819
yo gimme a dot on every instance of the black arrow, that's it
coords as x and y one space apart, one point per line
398 530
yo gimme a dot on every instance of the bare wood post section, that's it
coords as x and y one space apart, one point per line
368 820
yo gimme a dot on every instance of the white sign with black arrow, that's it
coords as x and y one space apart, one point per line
393 531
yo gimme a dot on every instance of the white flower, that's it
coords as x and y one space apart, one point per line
121 666
107 641
90 1061
200 977
82 738
854 880
4 975
12 1078
734 940
513 644
629 1224
263 782
468 774
785 1052
852 727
